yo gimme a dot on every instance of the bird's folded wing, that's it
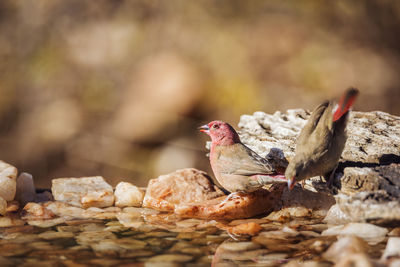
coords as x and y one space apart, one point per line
244 162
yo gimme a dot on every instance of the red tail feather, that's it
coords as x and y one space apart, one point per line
346 102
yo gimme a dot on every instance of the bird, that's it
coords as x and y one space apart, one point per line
321 141
236 167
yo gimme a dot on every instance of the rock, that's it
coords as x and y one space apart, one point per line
372 135
26 191
377 207
10 221
392 248
3 206
383 177
12 206
241 206
345 246
35 211
371 233
336 216
128 195
8 183
180 187
83 192
370 162
71 212
355 260
250 228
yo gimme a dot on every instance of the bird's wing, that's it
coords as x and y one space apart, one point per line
238 159
312 122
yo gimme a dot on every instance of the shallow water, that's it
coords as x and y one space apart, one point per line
163 239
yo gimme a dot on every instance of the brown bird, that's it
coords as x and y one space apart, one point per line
321 141
236 167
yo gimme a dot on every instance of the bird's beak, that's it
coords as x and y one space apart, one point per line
204 129
291 182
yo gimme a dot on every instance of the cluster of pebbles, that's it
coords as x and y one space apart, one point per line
184 219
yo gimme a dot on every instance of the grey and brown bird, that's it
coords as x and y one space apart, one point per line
321 141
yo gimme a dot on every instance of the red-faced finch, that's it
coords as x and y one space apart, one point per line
321 141
236 167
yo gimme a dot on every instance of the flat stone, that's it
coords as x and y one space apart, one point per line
239 246
71 212
46 223
345 246
180 187
392 248
36 211
250 228
26 191
374 207
10 221
128 195
8 181
50 235
83 192
243 205
372 234
181 258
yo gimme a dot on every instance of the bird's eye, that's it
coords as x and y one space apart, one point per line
215 126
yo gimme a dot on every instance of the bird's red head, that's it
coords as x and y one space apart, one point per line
221 133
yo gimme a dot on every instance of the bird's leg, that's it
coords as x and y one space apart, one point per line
332 177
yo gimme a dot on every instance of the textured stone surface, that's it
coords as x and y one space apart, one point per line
370 163
377 207
239 206
83 192
372 136
180 187
8 181
128 195
372 234
346 245
3 206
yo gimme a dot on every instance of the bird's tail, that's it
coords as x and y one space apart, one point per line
346 102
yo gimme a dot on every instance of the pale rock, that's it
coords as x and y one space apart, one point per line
83 192
8 182
36 211
10 221
345 246
242 205
372 234
25 189
336 216
128 195
180 187
392 248
71 212
355 260
3 206
12 206
375 206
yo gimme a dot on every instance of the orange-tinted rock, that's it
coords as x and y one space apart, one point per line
241 206
250 228
178 188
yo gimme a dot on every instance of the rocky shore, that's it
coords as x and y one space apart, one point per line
185 218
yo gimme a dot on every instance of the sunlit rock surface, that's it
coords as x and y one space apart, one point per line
368 174
83 192
8 182
181 187
128 195
238 206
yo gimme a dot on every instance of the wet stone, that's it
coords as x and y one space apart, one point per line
171 258
371 233
50 235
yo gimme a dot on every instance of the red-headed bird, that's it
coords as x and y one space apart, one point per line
236 167
321 141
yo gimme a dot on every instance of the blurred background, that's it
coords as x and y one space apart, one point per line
118 88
